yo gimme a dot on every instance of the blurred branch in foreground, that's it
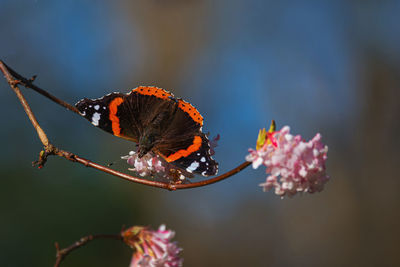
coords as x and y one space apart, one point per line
151 248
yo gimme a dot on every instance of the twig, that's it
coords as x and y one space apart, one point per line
62 253
13 79
212 180
28 84
14 85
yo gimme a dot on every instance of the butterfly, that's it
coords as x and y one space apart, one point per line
158 122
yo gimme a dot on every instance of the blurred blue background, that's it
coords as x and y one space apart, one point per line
319 66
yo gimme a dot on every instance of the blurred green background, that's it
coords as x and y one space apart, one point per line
319 66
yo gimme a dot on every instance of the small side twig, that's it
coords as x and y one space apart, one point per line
13 79
62 253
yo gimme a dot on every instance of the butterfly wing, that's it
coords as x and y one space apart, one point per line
185 145
124 115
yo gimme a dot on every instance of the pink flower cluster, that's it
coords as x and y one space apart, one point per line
153 248
155 166
149 164
294 165
152 164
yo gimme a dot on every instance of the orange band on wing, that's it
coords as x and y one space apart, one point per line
186 152
192 111
153 91
163 94
113 107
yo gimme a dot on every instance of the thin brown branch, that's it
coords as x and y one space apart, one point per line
28 83
212 180
62 253
14 85
13 79
168 186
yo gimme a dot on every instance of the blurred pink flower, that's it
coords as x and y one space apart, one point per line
294 165
152 248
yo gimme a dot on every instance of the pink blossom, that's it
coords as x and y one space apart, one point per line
152 248
149 164
293 164
155 166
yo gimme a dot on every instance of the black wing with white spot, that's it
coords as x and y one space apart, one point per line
97 110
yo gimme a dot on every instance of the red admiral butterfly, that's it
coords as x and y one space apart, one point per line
158 122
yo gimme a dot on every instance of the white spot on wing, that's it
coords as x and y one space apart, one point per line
95 119
96 107
203 159
193 166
